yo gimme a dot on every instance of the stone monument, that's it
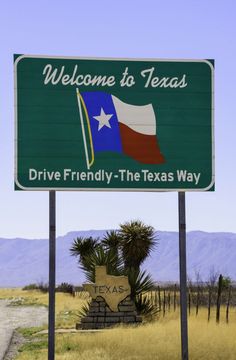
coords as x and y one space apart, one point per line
111 303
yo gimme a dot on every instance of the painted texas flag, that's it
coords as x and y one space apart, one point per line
120 127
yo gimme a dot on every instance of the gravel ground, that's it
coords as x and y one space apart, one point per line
12 318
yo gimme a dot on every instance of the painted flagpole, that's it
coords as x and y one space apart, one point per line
183 276
52 275
82 126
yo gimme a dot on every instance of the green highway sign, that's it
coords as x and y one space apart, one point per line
113 124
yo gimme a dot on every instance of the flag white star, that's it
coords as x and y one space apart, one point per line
103 119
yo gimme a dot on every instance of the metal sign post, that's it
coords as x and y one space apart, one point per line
183 276
52 277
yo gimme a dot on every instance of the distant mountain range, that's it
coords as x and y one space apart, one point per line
24 261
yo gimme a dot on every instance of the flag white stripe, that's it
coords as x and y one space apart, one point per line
139 118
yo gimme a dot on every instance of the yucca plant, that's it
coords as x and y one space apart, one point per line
83 247
83 311
140 282
111 243
100 257
145 306
122 252
137 240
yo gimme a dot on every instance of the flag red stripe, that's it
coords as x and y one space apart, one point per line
141 147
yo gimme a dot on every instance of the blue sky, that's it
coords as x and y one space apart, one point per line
127 29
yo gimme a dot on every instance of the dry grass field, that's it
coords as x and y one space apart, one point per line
158 340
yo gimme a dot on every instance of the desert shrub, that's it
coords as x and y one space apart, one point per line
65 288
30 287
41 286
